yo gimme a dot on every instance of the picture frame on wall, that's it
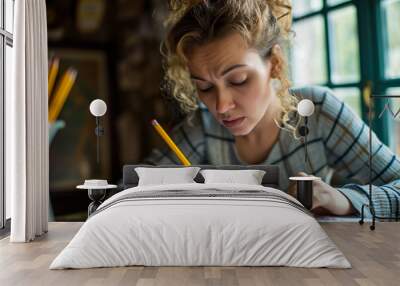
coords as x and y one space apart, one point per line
73 150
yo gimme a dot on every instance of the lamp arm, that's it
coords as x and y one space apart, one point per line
306 158
98 133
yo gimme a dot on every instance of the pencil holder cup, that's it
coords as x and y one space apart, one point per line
305 193
305 189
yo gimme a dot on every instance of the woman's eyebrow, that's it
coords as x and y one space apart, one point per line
222 73
232 67
196 77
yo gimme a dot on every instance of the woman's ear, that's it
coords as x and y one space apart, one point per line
276 60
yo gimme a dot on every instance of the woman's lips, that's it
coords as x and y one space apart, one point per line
234 122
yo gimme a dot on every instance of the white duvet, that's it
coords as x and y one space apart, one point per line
183 231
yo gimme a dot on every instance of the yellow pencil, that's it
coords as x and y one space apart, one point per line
170 143
61 93
53 74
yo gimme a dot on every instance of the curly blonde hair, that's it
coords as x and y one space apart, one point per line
262 23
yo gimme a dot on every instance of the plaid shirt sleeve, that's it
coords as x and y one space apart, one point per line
189 137
346 140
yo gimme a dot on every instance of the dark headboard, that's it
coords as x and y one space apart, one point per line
271 178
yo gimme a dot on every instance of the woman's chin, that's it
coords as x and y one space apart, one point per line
242 131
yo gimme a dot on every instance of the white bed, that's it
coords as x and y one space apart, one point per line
223 225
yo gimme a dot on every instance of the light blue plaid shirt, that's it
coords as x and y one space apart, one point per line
337 142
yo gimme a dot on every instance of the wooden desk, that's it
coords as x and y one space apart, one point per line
374 255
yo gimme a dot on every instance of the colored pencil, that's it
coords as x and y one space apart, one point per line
53 74
170 143
62 93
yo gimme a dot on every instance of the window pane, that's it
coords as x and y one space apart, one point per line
308 53
336 2
7 82
351 96
394 135
301 7
9 16
391 16
343 40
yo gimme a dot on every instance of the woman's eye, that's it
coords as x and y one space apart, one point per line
241 82
204 89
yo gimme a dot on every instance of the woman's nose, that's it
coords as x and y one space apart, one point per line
224 102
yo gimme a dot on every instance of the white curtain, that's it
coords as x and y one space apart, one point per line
26 124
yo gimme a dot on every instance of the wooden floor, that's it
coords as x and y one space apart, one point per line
374 255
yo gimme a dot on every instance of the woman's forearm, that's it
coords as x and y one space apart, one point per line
339 204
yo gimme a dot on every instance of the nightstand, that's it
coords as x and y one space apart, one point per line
96 194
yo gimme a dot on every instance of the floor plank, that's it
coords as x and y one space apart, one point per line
374 255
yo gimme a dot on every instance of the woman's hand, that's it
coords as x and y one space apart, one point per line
326 199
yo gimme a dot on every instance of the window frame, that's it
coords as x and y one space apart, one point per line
372 57
6 39
382 83
324 11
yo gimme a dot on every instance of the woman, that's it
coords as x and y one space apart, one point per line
226 68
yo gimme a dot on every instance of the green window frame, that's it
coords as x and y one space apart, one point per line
371 39
382 83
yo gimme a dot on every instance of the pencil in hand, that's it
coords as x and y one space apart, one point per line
170 143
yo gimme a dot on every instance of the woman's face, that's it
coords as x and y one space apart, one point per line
233 81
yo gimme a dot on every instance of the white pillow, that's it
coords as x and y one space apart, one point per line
162 176
249 177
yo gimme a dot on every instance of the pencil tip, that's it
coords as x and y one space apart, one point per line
154 122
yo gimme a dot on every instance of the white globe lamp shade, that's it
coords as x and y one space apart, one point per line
305 107
98 107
